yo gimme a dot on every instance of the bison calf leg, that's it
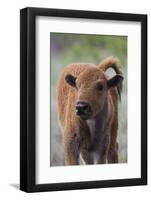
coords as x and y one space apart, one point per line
113 150
71 150
103 158
113 154
104 149
87 157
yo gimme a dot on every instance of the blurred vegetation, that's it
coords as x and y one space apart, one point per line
69 48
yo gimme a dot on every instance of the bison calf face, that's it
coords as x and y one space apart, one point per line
91 88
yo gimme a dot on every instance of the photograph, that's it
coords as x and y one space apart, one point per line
88 98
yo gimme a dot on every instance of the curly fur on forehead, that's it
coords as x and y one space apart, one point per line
92 74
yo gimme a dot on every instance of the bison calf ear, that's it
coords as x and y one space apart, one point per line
114 81
71 80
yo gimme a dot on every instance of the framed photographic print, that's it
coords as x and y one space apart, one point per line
83 99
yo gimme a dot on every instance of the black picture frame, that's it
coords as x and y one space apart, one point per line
28 98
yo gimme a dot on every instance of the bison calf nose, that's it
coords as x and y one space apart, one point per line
82 108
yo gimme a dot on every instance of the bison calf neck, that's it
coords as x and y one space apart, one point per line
87 101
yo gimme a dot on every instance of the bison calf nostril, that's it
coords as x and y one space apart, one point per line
85 106
81 106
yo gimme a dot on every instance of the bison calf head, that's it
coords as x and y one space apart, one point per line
91 87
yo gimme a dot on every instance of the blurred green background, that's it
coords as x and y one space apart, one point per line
66 48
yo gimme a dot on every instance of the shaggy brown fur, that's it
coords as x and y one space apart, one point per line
87 103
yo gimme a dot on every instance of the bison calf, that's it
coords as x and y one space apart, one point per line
87 101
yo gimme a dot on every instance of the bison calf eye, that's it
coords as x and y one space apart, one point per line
99 87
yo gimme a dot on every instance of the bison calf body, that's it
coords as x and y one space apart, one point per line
87 101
